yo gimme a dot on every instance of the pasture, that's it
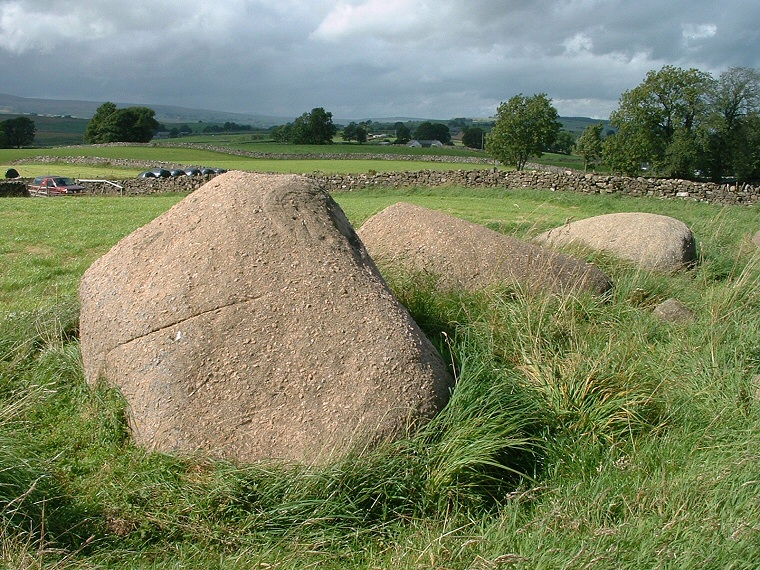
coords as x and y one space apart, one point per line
119 162
583 432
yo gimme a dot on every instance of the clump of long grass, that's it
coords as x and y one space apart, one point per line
485 442
578 368
37 514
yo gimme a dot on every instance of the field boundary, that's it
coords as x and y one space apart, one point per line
538 177
554 179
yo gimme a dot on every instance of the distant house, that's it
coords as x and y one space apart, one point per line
424 144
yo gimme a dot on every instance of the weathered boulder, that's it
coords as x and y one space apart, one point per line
469 256
652 241
756 238
248 322
673 311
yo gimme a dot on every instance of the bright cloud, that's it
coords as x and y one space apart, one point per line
698 31
379 18
578 43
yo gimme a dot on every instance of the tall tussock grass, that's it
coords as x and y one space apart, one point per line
38 354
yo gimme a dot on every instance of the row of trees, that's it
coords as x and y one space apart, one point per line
228 127
17 132
317 127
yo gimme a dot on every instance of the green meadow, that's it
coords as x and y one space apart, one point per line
583 432
105 162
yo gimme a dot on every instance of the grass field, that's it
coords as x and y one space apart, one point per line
355 159
583 432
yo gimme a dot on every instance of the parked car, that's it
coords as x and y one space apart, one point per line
54 186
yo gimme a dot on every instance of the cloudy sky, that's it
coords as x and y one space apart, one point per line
364 58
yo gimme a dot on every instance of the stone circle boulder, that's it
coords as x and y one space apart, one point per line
469 256
248 322
653 241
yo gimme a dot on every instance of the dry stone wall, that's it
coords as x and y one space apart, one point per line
551 179
565 181
13 188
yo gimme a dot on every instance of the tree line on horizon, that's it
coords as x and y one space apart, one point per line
678 123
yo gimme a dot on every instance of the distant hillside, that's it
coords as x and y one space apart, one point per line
55 131
10 104
576 125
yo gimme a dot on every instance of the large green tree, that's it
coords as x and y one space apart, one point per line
110 124
735 104
18 132
94 133
403 134
524 127
659 122
474 137
745 155
429 131
315 127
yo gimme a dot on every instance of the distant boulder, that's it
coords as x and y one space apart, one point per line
673 311
469 256
653 241
248 322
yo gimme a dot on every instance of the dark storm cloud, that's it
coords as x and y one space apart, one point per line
364 58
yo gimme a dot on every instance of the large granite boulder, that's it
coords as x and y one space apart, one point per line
469 256
653 241
248 322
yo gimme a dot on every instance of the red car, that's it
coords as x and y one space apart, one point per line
54 186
